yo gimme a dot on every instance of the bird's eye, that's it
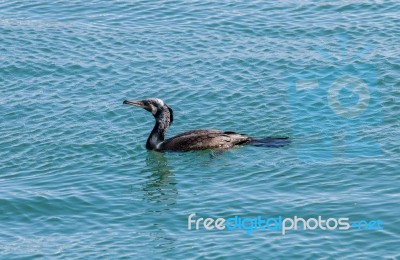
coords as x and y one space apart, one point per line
145 103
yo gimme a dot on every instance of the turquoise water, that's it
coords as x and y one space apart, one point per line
77 182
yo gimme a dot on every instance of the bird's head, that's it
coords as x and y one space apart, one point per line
154 105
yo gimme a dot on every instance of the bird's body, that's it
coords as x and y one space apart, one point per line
204 139
192 140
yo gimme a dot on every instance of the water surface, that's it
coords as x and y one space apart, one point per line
77 182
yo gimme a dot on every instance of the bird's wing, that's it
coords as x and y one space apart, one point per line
199 132
204 139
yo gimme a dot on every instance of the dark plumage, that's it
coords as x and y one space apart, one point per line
192 140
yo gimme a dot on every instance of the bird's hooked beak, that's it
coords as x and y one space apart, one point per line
134 103
138 104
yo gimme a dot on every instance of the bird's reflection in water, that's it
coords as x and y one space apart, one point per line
161 193
160 187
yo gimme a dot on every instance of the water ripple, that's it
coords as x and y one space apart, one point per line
77 182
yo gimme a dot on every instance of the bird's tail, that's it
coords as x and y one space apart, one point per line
271 142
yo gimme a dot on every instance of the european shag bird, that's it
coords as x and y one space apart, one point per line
196 139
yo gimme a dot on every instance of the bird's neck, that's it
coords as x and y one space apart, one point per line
157 135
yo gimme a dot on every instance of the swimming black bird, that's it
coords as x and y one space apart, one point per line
196 139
